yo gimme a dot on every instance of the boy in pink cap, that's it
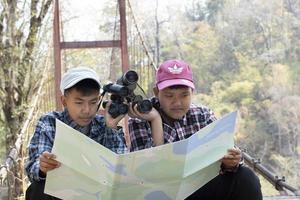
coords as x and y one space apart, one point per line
175 118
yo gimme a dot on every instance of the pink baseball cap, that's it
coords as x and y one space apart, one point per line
174 72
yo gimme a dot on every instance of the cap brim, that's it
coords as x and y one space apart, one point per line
75 81
164 84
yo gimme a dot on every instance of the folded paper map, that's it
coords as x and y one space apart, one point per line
172 171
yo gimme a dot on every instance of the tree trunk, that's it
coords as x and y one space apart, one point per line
16 61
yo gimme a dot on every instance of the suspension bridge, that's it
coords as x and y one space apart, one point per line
134 53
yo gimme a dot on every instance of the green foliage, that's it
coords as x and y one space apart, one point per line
205 45
298 150
90 58
240 93
204 10
195 10
295 78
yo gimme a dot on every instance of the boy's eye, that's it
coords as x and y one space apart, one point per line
78 102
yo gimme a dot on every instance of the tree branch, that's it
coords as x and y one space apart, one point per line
2 16
31 40
45 9
35 23
1 24
2 92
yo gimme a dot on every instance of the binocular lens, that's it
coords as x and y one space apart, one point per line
131 77
144 106
123 108
117 109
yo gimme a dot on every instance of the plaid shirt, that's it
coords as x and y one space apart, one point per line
196 118
44 134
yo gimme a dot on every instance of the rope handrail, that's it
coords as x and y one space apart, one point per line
279 183
141 38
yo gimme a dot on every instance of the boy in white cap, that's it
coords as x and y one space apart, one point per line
80 88
175 118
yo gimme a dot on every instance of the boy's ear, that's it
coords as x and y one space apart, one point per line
63 100
155 91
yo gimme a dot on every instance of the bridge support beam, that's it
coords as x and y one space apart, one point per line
60 45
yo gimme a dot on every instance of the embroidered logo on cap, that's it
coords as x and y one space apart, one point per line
175 69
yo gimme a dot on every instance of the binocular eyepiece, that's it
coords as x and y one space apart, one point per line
123 90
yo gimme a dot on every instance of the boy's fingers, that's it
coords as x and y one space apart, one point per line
48 155
234 150
48 159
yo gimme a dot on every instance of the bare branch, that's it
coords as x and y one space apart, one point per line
1 23
2 92
2 15
45 9
35 23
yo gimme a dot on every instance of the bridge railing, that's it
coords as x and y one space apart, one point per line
277 181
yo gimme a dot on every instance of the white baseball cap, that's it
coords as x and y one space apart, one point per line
75 75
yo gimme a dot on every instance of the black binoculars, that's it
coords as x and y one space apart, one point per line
123 90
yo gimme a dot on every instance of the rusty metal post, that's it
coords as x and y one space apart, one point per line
57 55
123 30
124 55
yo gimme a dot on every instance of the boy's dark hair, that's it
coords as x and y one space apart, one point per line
177 86
86 87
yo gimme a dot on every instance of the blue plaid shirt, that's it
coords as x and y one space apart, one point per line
196 118
44 135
